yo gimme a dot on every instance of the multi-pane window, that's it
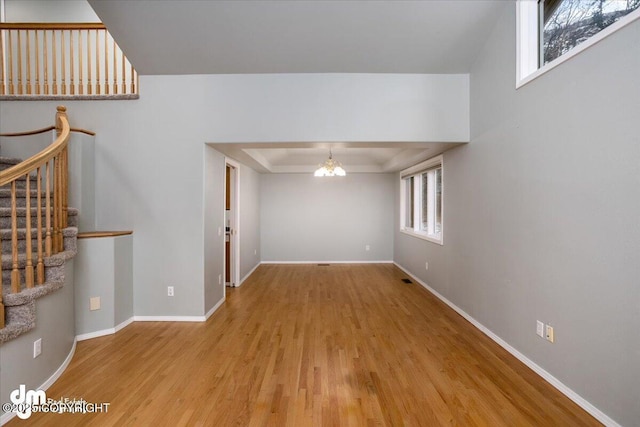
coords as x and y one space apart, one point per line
421 202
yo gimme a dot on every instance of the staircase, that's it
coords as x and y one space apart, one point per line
20 235
20 308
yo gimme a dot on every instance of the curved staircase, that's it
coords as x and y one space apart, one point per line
18 300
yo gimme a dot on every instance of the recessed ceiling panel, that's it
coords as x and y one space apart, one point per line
356 157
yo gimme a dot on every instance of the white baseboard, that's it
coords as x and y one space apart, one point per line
96 334
123 324
328 262
169 318
214 308
7 416
48 383
103 332
111 331
579 400
248 274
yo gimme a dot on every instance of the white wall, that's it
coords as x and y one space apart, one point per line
309 219
150 152
541 215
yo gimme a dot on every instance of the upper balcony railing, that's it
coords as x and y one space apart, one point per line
62 60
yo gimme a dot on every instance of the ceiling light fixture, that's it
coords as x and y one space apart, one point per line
330 168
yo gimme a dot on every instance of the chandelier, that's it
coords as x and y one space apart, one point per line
330 168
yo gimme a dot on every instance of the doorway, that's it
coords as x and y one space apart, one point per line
231 219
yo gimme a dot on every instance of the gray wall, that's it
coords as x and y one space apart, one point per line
123 279
150 166
214 173
95 277
541 215
103 268
81 165
55 326
249 220
49 11
304 218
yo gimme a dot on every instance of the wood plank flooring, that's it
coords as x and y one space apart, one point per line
307 345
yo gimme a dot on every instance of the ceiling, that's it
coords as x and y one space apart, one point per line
295 36
356 157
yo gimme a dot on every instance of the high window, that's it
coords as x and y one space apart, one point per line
552 31
421 201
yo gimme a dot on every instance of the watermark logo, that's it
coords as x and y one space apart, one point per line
25 402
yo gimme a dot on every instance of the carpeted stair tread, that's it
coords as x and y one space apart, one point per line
30 294
69 234
22 211
51 261
21 193
9 161
19 319
6 233
20 308
5 217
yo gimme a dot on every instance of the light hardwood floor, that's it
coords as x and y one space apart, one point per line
298 345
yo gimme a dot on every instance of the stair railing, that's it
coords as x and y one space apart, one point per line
49 169
63 59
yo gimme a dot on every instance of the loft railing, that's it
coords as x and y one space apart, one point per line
61 60
49 170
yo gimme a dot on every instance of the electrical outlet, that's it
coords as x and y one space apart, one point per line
367 247
37 347
94 303
219 279
550 333
219 231
255 252
540 329
170 291
426 265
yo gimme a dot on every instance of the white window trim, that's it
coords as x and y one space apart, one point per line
414 170
527 51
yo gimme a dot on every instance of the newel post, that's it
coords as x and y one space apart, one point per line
62 112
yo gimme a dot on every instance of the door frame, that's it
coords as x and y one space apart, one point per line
234 225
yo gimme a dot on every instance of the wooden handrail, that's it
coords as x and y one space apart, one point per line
37 160
52 26
43 130
29 132
49 238
101 234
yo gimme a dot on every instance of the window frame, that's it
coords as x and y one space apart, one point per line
416 172
528 46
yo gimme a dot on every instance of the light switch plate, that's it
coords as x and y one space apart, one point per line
540 328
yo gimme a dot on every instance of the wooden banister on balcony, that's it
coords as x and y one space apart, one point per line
62 60
53 160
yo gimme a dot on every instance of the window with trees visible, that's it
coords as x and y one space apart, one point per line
421 200
551 31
